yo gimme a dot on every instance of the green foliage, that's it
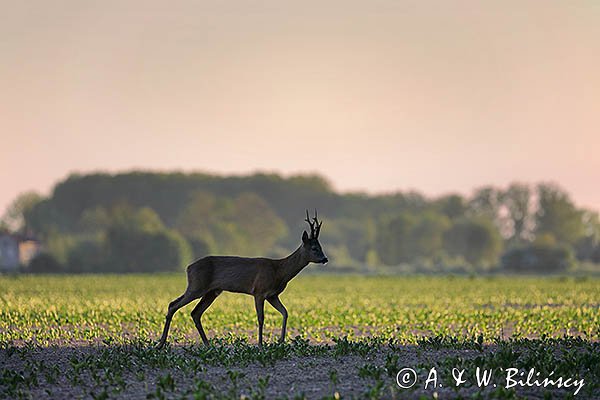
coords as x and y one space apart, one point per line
112 220
486 202
477 240
59 245
138 242
517 201
409 237
44 263
87 255
18 213
428 234
133 240
143 219
558 216
453 206
538 258
393 244
44 219
588 248
95 220
243 225
355 237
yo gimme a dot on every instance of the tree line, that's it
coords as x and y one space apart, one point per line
146 222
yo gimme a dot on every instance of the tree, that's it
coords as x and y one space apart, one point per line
94 220
427 235
477 240
393 244
410 238
44 219
588 246
538 258
260 214
244 225
88 255
355 235
142 219
146 251
485 202
44 263
453 206
517 201
558 216
17 213
259 224
59 245
196 219
137 241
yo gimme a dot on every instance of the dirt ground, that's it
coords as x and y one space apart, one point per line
314 377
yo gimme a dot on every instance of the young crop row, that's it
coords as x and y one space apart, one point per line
92 309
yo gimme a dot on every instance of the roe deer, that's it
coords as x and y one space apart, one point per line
263 278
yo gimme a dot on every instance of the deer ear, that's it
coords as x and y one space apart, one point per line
304 237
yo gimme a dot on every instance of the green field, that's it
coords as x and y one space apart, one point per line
76 309
388 318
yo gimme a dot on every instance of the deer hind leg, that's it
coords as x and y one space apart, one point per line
175 305
202 306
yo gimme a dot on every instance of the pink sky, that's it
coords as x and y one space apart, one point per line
375 95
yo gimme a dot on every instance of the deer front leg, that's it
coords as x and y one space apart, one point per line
259 302
276 303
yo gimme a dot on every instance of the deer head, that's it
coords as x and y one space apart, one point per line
312 247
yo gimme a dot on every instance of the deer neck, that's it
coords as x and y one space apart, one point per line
291 266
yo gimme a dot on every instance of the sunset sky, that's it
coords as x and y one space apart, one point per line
436 96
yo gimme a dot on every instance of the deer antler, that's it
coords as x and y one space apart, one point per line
318 225
311 224
315 226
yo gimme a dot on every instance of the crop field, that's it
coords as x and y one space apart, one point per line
93 336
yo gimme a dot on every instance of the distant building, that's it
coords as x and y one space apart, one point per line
9 252
28 248
16 250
